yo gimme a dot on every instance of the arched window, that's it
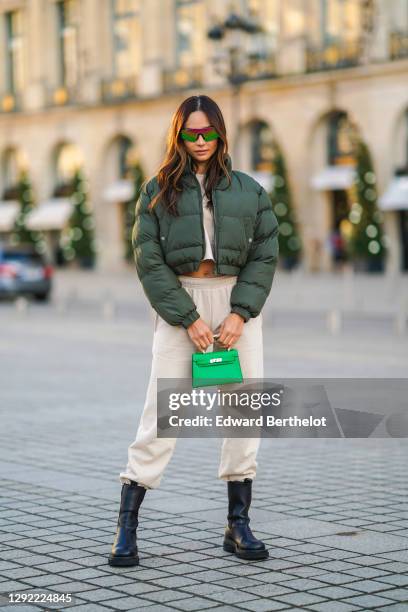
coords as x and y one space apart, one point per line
262 146
14 161
341 139
126 157
120 159
68 159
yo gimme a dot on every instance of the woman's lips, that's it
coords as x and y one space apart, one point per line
200 152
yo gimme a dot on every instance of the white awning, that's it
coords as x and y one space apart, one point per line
50 215
334 178
395 196
119 191
266 179
9 210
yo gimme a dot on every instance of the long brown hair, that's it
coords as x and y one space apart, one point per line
177 162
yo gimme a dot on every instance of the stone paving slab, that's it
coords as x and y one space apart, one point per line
366 542
59 488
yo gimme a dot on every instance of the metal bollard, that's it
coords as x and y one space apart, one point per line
71 298
61 306
348 288
21 304
400 320
108 309
334 321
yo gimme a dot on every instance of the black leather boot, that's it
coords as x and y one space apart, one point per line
239 538
124 549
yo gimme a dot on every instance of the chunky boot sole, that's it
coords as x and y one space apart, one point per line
123 561
254 555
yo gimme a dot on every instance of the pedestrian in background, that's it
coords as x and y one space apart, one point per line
205 242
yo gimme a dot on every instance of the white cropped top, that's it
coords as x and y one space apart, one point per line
208 221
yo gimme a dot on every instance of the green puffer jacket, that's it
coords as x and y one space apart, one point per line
246 244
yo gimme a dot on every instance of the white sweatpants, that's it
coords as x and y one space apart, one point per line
149 455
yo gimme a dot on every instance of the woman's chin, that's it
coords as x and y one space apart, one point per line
203 158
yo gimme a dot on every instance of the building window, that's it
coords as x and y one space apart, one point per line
334 33
127 156
331 22
14 67
126 36
263 147
190 33
293 18
68 159
398 29
14 161
340 20
267 13
68 42
341 139
398 14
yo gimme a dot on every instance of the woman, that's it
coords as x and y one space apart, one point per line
205 242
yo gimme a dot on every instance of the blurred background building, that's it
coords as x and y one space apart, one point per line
314 93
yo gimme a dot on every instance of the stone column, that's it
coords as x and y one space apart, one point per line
36 46
153 25
90 41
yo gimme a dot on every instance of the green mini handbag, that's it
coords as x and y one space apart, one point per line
216 368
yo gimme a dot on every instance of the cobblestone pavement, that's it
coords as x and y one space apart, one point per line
333 512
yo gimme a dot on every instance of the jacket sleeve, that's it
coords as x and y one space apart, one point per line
160 283
254 282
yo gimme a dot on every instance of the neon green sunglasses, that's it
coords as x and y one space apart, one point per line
192 134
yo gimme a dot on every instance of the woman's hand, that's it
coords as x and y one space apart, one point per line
200 334
230 330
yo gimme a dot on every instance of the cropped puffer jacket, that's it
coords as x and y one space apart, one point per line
246 244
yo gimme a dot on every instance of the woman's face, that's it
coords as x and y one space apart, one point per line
200 150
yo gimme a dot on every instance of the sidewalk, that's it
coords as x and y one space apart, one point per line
296 291
337 542
332 512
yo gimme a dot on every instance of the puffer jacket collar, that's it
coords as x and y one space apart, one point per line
189 178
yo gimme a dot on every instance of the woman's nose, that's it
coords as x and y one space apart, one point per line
202 138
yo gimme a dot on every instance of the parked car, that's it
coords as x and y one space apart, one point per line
23 271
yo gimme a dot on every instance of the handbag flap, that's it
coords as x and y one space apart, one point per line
221 357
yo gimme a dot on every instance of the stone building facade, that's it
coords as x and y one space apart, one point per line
94 82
